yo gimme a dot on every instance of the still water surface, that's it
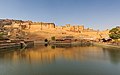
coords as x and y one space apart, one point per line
42 60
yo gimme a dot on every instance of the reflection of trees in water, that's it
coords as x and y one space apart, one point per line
46 45
114 54
53 47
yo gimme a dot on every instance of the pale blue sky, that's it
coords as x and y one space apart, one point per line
97 14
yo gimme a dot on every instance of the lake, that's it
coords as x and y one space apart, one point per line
60 60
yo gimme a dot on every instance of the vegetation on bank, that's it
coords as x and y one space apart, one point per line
115 34
53 38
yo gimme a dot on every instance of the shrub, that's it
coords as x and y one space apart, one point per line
53 38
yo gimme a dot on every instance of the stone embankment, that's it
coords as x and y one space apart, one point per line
15 44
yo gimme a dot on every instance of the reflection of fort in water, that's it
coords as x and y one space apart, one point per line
48 54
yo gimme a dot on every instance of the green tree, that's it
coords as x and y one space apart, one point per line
115 33
46 40
53 38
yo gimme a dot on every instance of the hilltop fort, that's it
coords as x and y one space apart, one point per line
41 30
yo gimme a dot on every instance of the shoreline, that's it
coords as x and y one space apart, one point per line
104 45
31 43
16 44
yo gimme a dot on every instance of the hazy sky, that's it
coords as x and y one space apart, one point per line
97 14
